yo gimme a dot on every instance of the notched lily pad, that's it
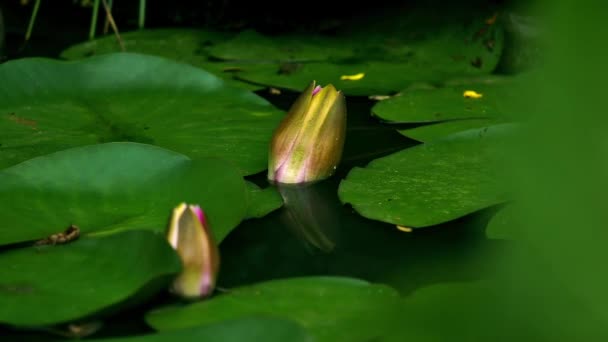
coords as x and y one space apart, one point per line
330 308
44 285
262 201
431 183
48 105
115 186
505 223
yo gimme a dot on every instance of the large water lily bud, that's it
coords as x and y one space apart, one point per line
307 145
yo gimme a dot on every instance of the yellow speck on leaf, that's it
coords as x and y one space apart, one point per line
354 77
472 94
491 20
404 229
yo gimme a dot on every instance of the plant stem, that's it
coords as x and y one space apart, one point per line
111 21
142 13
106 24
30 26
94 20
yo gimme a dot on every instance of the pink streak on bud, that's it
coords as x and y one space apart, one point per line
200 214
316 90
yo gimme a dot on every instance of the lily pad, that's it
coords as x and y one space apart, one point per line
262 201
254 47
182 45
44 285
390 60
330 308
496 100
48 105
504 224
429 183
245 329
437 130
379 77
115 186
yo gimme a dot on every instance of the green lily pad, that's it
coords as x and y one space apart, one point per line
252 46
504 224
438 130
389 60
449 103
238 330
429 183
379 77
262 201
182 45
115 186
44 285
330 308
48 105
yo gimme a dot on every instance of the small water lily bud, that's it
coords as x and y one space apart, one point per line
307 145
190 236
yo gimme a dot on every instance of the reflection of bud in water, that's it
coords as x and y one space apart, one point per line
190 236
311 212
307 145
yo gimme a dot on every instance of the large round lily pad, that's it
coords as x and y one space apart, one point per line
430 183
43 285
182 45
330 308
245 329
115 186
48 105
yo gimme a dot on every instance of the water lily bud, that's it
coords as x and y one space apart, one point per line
190 236
307 145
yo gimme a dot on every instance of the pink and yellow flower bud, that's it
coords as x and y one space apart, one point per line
307 145
190 236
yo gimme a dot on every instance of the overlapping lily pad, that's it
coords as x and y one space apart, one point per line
245 329
255 47
390 60
430 183
426 133
48 105
262 201
330 308
43 285
490 100
379 77
115 186
495 101
504 224
182 45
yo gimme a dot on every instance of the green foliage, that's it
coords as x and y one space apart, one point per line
430 183
43 285
330 308
243 329
47 106
115 186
